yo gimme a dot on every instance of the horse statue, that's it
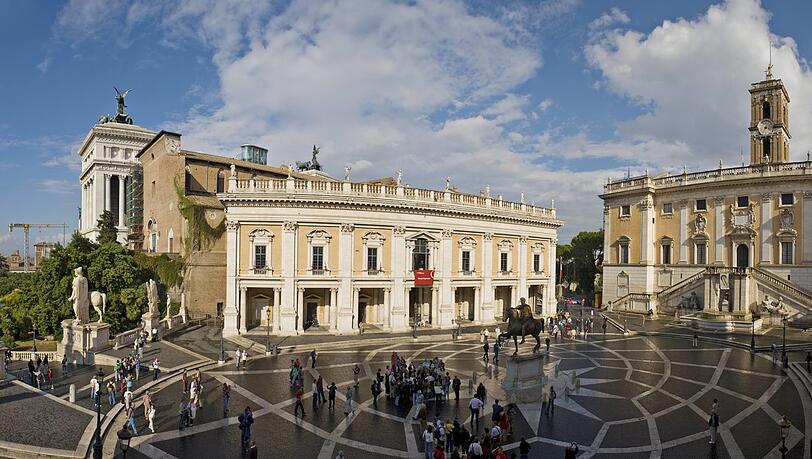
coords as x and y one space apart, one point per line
514 329
99 302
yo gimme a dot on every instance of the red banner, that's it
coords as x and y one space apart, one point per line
424 277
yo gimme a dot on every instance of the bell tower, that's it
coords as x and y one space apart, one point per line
769 121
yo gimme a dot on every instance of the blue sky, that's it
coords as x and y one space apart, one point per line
543 98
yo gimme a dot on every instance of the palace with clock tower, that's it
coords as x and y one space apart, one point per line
734 242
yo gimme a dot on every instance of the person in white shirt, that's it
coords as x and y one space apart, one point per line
475 450
475 405
496 434
428 441
151 417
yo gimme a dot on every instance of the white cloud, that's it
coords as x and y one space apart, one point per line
43 65
510 108
692 77
545 104
612 17
58 186
68 160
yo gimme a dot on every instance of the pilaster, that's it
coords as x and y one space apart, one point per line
399 298
347 301
230 313
766 229
287 310
719 230
446 306
806 228
487 304
683 231
523 292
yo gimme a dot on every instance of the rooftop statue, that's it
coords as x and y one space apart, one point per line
313 164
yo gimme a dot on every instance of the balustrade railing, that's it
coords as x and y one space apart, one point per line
291 185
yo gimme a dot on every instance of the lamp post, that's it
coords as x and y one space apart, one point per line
268 331
784 425
753 335
124 437
784 359
97 446
34 337
222 358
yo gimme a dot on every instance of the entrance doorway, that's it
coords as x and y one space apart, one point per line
742 256
261 306
420 305
311 310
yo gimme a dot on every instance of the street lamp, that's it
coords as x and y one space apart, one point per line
753 335
222 331
268 331
784 358
784 425
97 446
34 335
124 437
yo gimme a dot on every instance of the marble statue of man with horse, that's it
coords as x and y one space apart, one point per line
521 323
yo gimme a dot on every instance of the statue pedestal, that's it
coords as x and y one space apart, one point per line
151 321
80 342
524 378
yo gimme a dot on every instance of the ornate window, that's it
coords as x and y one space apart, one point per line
765 110
221 181
787 199
786 236
668 208
152 232
666 245
420 254
623 250
538 252
765 148
701 205
318 242
625 210
466 259
261 240
373 252
505 256
787 252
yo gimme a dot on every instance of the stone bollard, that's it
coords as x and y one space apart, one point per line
72 393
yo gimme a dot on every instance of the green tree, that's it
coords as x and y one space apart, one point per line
581 258
107 228
3 266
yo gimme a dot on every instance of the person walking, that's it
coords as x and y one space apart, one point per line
524 449
485 348
553 396
237 357
151 418
245 420
146 400
545 401
455 385
348 408
496 348
181 414
475 450
111 393
313 358
355 373
376 391
131 419
428 441
184 379
331 394
320 387
155 369
299 404
192 412
713 426
226 397
774 350
65 365
475 405
315 397
572 451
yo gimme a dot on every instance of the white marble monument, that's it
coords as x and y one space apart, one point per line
152 318
81 339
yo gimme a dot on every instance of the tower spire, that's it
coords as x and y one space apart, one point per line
769 71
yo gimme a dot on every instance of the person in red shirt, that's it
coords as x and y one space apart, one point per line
299 404
439 453
499 454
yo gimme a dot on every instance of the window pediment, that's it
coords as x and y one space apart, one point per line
260 234
373 238
467 243
422 235
505 245
537 248
319 236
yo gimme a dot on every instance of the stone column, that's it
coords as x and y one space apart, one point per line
387 309
333 308
287 310
121 221
477 312
766 230
277 295
355 293
347 303
243 309
806 228
106 191
231 312
513 300
299 309
523 266
446 305
434 306
719 230
399 320
683 231
549 298
607 235
487 306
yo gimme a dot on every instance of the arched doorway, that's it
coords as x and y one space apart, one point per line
742 256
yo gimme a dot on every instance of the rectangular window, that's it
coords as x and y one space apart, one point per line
786 253
318 259
503 262
742 201
701 254
666 254
701 204
536 263
625 210
260 252
787 199
372 259
624 254
668 208
466 261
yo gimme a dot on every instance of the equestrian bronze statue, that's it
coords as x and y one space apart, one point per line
521 322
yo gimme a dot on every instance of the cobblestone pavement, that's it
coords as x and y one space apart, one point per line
631 397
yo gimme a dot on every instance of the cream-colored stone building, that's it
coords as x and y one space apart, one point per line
344 254
734 240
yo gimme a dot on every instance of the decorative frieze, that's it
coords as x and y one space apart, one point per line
399 230
446 234
231 225
289 226
347 227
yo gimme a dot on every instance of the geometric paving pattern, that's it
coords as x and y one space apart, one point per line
634 397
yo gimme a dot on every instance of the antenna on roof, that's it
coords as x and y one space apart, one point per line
769 71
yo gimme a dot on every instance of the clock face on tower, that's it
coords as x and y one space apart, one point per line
765 127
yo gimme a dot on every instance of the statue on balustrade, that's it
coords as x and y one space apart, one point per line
313 164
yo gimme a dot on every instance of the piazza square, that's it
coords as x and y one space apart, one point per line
383 229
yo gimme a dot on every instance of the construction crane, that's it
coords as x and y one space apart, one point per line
27 227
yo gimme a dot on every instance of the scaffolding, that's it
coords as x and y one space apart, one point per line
135 208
